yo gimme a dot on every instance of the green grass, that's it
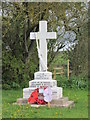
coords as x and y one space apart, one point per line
80 97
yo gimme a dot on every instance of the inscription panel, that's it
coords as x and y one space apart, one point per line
43 75
45 83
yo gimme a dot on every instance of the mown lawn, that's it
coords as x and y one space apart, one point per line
25 111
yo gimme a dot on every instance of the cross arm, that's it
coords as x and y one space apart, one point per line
33 35
51 35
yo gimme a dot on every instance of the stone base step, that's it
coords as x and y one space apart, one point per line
61 101
67 104
35 105
22 101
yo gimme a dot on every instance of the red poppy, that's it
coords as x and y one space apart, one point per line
38 101
33 97
43 102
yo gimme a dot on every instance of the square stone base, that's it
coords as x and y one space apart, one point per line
62 102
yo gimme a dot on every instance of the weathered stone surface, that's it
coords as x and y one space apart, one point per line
22 100
62 101
67 104
56 93
28 91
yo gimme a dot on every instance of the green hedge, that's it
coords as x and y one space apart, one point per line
73 82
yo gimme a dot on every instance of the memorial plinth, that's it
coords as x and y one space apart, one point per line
43 79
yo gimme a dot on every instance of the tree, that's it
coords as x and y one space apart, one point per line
79 54
19 19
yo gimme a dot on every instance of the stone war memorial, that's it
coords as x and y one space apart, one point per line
43 77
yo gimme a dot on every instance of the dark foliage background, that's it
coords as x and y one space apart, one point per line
19 53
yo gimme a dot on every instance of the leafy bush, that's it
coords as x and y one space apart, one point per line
6 86
73 82
15 85
15 72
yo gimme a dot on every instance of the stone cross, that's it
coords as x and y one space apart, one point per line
42 35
